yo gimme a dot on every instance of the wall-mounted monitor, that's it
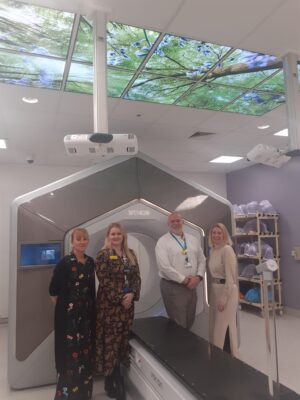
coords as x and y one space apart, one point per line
40 254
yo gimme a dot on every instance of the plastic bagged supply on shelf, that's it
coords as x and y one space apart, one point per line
239 230
248 271
251 249
238 211
267 250
270 297
265 207
251 227
253 295
240 248
252 208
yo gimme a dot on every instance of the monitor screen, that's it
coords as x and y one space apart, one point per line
38 254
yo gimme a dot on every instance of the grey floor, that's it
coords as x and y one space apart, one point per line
252 351
41 393
253 346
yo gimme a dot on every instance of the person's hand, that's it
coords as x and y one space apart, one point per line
193 282
127 300
185 281
54 299
221 307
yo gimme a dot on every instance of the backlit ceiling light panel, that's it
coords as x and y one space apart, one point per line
142 64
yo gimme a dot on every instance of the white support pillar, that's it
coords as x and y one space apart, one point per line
292 95
100 85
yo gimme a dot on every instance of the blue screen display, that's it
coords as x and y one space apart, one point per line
32 254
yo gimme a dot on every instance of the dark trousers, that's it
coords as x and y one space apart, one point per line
180 302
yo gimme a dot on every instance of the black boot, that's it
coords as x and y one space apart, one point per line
119 381
110 386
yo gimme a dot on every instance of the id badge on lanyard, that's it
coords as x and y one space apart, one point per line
187 263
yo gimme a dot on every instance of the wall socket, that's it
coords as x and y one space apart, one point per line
296 253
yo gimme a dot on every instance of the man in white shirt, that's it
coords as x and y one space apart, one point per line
181 265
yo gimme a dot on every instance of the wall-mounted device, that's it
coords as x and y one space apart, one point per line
296 253
267 155
268 265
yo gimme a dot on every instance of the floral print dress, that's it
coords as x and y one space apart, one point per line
74 284
113 322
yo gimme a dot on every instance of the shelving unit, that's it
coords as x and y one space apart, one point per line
264 230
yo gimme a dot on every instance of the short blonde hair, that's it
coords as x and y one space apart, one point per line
226 236
81 231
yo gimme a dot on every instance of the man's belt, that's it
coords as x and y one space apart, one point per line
170 281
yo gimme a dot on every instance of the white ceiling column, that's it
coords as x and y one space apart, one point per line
99 84
292 95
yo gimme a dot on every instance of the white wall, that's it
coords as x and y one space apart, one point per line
16 180
212 181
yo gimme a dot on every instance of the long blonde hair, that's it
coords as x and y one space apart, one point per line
125 248
226 236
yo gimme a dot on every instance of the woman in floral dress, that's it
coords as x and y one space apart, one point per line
72 289
119 287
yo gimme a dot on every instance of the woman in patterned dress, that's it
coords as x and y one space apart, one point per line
72 289
119 286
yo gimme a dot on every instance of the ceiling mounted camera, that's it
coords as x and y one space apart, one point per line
30 159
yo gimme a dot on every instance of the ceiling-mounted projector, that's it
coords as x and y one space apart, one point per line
100 143
103 144
267 155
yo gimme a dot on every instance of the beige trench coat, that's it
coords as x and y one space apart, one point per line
223 265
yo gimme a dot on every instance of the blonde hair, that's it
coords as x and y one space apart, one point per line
226 236
125 248
82 231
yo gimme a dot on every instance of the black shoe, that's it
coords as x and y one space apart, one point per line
110 387
120 387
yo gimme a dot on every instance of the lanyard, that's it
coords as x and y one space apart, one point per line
183 246
125 263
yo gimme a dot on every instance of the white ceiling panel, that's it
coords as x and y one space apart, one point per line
223 22
279 33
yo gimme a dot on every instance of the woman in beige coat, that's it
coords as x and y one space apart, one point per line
224 290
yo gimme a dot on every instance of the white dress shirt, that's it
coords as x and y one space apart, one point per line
172 263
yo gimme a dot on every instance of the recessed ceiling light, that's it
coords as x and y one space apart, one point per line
30 100
3 144
284 132
263 127
226 159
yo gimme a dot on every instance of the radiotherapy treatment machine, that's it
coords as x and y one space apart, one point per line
137 192
168 362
